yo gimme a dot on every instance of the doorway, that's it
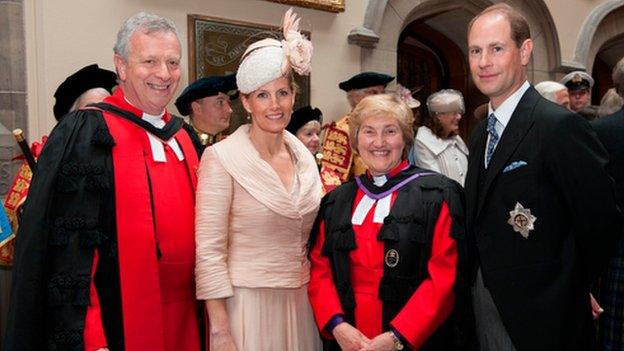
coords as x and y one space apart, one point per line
428 60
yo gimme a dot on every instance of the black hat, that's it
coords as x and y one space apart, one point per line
204 87
75 85
365 80
577 80
303 116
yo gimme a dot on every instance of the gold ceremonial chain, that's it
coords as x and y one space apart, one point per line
204 138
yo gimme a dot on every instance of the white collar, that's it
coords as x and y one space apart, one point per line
155 120
156 144
436 144
505 110
380 180
144 114
366 203
158 150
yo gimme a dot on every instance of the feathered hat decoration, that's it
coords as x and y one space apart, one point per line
405 95
269 59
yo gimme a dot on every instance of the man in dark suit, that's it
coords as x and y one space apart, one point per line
541 210
610 130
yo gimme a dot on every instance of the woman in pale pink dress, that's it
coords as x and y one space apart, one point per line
257 198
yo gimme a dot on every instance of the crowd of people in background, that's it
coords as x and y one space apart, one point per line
377 231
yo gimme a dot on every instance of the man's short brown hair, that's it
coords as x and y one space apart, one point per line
520 30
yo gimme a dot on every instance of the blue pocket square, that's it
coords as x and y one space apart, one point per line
514 165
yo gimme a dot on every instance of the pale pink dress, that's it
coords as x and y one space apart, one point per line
251 236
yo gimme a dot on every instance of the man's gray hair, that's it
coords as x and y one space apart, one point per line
610 103
89 97
146 22
355 94
618 77
548 89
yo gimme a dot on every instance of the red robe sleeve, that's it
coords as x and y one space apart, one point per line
321 290
94 337
433 301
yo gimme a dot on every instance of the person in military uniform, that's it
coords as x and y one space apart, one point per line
579 86
338 157
207 103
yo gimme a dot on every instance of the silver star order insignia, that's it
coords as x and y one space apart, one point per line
521 220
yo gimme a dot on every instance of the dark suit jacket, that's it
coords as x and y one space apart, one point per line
610 130
541 284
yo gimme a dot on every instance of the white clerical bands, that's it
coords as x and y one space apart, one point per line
156 144
364 206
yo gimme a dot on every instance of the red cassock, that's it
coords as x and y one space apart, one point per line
425 311
163 317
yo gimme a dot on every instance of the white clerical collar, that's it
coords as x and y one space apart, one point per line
380 180
155 120
366 203
506 109
156 144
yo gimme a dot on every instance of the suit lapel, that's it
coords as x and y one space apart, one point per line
519 124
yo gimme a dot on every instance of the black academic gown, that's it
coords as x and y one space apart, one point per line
69 213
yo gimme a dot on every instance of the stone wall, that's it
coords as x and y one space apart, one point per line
12 112
12 86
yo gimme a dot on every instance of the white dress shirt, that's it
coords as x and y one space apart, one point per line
503 113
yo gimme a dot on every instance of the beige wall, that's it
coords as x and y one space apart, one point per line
568 16
64 35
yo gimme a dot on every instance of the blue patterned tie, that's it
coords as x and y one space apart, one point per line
493 139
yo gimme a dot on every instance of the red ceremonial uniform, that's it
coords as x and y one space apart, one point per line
428 307
172 317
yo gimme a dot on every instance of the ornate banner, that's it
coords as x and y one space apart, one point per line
12 204
337 153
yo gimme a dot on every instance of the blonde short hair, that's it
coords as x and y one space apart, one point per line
383 104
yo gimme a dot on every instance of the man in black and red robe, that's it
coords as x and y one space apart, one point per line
105 255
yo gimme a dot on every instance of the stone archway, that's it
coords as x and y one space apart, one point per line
385 20
429 59
605 60
605 22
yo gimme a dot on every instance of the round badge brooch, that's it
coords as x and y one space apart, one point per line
392 258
